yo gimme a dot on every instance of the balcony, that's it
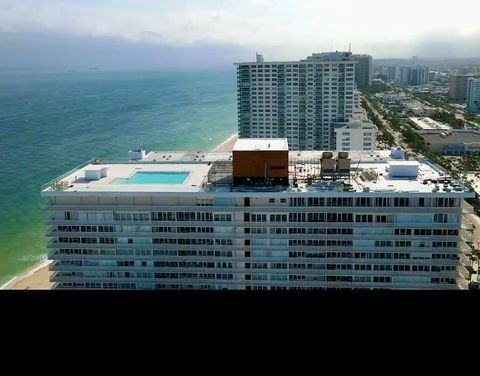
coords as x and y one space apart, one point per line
467 208
464 260
462 284
466 236
467 224
463 272
465 248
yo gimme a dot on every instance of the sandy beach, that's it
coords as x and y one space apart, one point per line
38 278
228 144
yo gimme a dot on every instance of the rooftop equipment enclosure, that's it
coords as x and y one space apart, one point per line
260 162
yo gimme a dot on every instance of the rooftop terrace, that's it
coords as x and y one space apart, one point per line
212 172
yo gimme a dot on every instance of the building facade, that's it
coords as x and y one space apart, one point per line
473 96
359 133
183 224
363 70
458 87
299 100
408 75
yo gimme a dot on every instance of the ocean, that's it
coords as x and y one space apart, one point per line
52 122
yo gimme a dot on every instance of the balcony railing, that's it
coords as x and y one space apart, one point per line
466 236
464 260
57 184
467 224
467 208
463 272
465 248
462 283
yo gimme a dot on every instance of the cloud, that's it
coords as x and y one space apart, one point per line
282 29
186 26
259 2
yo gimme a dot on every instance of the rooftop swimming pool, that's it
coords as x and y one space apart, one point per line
167 177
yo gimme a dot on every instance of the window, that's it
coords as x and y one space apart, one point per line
440 218
402 201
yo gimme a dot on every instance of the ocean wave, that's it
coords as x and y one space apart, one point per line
28 258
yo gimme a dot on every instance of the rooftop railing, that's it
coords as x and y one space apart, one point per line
57 185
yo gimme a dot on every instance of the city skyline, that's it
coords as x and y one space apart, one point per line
150 34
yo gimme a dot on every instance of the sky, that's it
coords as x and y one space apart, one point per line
187 33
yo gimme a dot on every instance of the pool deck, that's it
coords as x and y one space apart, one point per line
76 181
372 176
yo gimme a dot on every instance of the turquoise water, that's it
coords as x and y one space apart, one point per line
154 178
52 122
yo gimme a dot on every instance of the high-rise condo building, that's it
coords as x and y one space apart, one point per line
258 218
458 87
363 71
408 75
473 97
299 100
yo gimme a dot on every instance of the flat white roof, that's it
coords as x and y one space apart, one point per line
404 163
95 167
261 144
373 175
426 123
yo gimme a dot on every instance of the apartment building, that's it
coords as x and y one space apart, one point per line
473 95
358 133
363 70
458 86
299 100
284 220
408 75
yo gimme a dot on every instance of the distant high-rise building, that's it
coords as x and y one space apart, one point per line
363 70
409 75
458 86
419 75
299 100
391 73
473 95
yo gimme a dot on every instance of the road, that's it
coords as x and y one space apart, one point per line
397 135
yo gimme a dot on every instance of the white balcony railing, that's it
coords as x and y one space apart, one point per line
467 208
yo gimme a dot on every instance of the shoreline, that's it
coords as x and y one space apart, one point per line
228 144
38 277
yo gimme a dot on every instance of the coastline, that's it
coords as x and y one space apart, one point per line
38 277
228 144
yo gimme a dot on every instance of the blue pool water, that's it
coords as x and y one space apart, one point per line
154 178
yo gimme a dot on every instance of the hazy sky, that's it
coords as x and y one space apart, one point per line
218 32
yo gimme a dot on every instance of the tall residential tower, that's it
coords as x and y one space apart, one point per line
299 100
458 87
473 95
363 71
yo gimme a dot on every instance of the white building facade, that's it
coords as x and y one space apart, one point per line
299 100
359 133
382 225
